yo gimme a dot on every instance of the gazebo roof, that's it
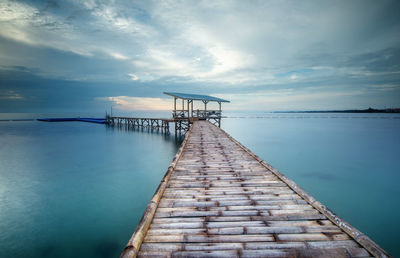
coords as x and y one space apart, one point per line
195 97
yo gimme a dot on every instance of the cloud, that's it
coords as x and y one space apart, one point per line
133 77
224 47
139 103
293 99
11 95
385 87
235 42
119 56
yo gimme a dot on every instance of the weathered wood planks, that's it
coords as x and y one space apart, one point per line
218 199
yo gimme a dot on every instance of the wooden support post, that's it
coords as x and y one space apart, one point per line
176 126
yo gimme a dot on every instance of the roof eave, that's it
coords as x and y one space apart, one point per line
219 100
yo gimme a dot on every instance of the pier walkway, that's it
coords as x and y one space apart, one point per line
219 199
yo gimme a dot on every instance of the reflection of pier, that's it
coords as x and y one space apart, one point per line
182 117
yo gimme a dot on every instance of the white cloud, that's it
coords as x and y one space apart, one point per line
291 99
119 56
385 87
139 103
115 17
227 43
27 24
133 77
11 95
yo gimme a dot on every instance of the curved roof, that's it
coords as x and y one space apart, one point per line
195 97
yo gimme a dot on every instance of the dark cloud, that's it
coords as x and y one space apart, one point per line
66 54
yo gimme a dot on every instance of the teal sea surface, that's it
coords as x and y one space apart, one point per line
76 189
349 162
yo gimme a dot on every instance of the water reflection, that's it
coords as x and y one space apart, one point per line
66 186
107 248
167 136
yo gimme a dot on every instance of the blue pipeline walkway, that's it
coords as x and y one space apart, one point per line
75 119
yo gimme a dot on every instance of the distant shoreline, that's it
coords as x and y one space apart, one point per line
369 110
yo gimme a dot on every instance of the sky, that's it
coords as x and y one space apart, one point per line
70 55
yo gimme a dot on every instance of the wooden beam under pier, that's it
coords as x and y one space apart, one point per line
150 123
146 123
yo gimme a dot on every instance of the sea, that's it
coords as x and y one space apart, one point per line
75 189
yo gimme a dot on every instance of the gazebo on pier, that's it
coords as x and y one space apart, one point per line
185 115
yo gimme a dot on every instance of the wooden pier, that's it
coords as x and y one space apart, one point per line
181 118
218 199
138 122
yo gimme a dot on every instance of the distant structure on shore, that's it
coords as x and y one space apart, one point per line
369 110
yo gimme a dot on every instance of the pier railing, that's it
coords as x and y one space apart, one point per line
201 114
204 114
182 120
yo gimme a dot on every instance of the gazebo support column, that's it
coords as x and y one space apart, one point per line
219 114
205 108
192 108
174 107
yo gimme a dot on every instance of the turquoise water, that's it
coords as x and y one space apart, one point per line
79 189
75 189
349 162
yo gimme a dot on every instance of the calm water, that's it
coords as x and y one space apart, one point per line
78 189
75 189
349 162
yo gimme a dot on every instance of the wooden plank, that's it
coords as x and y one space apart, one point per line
332 244
275 245
223 253
176 231
270 220
243 201
312 237
213 246
329 253
191 238
160 247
